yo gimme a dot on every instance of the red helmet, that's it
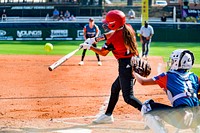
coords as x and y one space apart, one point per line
115 19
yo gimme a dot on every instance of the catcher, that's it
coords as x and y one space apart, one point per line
181 87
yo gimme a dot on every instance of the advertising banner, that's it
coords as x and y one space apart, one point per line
5 35
80 35
186 12
74 31
29 35
58 34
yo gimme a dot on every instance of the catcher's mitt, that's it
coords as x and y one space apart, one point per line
141 66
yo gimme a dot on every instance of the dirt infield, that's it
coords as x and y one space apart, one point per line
67 99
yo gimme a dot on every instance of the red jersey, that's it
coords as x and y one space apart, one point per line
119 50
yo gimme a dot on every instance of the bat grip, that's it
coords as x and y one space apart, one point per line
80 47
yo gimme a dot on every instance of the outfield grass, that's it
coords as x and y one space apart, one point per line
163 49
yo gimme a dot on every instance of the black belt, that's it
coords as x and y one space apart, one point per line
124 61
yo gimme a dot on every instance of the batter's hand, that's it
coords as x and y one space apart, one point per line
90 41
85 46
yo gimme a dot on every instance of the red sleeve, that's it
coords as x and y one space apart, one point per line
161 80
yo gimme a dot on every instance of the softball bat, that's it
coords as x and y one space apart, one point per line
63 59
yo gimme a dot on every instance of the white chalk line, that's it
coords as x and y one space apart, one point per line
65 120
76 130
160 68
103 107
81 127
78 127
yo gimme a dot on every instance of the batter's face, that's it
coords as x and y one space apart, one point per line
105 27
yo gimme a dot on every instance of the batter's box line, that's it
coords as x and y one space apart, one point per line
67 120
116 126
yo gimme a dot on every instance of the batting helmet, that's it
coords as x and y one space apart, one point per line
115 19
181 59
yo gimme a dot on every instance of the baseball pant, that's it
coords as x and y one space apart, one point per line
125 83
145 46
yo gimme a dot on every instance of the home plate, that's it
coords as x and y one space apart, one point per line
75 130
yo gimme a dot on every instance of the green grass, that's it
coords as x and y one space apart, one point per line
36 47
163 49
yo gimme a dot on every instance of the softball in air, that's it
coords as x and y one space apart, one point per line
48 47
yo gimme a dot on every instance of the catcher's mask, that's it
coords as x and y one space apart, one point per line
181 59
114 20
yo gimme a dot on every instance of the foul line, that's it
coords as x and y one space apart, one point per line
103 106
159 68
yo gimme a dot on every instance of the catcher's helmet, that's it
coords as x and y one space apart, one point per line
114 19
181 59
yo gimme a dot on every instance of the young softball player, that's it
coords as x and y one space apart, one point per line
122 43
181 87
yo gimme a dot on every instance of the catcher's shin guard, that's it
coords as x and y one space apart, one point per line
154 124
146 106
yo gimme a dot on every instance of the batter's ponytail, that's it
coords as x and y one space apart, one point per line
130 39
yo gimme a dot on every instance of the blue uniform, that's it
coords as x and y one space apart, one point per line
182 90
181 87
91 32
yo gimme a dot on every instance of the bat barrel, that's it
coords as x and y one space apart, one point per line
62 60
50 69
